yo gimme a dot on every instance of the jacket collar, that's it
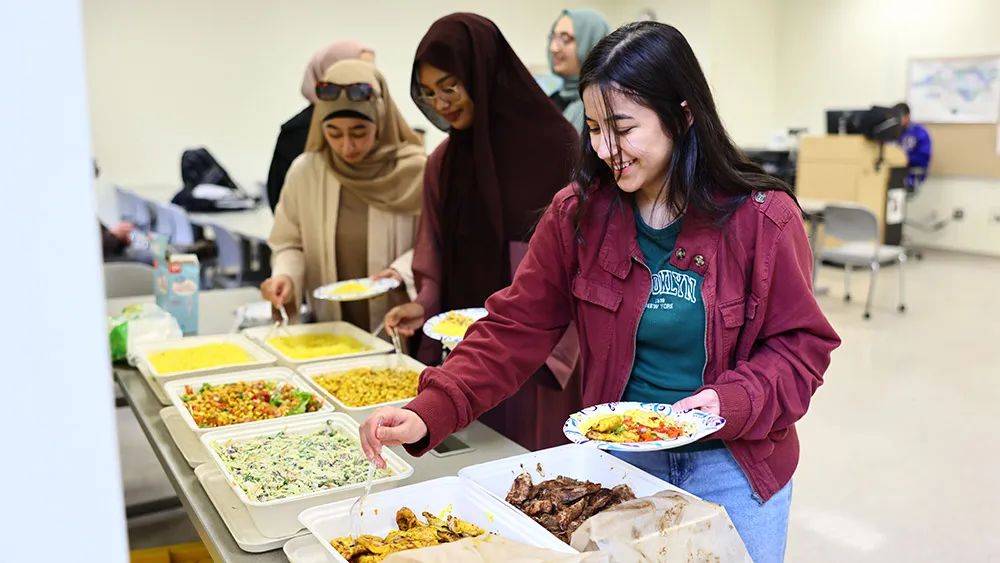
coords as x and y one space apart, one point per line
696 248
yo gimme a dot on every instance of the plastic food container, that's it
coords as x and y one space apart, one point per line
258 356
377 345
573 461
310 371
175 389
447 495
279 518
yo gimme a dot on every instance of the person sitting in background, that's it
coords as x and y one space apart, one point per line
916 141
350 202
572 37
508 152
292 138
116 241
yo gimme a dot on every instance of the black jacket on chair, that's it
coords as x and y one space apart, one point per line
291 143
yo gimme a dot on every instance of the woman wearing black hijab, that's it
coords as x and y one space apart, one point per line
508 152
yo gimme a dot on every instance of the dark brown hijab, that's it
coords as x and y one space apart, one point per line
499 175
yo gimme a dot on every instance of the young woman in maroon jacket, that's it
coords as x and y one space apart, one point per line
687 272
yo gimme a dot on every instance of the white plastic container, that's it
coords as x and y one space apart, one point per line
279 518
306 549
377 345
234 514
186 441
258 356
310 371
573 461
447 495
175 389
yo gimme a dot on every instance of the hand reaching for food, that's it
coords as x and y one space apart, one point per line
399 426
407 319
278 290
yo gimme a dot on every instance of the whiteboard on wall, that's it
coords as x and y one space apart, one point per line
954 90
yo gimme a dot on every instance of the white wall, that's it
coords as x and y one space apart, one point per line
854 53
63 490
166 76
736 45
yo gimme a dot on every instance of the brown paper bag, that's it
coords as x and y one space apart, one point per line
669 526
490 550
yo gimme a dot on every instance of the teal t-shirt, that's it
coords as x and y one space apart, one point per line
670 343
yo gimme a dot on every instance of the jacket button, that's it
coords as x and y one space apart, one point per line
760 197
699 260
681 253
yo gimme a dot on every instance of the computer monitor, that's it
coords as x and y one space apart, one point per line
876 123
844 121
881 124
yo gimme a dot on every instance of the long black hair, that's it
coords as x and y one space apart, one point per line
652 64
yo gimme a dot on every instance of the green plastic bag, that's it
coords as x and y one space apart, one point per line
139 323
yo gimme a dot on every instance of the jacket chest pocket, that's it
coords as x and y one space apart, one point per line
735 316
597 306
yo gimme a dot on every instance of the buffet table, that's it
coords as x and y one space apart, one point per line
216 311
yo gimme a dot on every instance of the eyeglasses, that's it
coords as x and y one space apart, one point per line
329 92
447 93
563 38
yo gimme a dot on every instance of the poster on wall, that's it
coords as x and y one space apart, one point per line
955 90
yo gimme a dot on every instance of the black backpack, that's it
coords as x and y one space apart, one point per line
208 187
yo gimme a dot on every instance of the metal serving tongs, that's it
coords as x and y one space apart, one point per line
394 333
279 326
358 508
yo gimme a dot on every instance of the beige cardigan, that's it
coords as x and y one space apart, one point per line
303 243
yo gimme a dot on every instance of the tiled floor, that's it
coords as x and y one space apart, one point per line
888 471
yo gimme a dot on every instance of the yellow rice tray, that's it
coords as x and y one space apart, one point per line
154 357
374 346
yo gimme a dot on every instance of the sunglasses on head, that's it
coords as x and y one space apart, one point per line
328 91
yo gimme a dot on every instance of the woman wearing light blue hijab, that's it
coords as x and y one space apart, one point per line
573 35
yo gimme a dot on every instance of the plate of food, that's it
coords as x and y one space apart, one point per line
450 327
639 427
355 290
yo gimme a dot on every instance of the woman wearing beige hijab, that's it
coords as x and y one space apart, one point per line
292 137
350 202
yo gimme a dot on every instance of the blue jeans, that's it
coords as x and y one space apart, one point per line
715 476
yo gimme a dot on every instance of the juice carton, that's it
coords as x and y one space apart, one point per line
177 284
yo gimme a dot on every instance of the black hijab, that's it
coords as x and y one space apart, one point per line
499 175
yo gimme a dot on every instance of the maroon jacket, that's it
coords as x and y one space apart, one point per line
768 343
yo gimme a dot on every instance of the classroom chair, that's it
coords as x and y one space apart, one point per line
172 220
857 227
229 264
133 209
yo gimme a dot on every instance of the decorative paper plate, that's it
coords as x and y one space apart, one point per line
446 333
695 425
355 290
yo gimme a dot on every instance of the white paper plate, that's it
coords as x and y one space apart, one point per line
576 427
430 326
374 289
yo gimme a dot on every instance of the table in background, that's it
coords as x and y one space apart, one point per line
215 316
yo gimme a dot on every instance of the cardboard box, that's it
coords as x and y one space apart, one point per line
178 280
